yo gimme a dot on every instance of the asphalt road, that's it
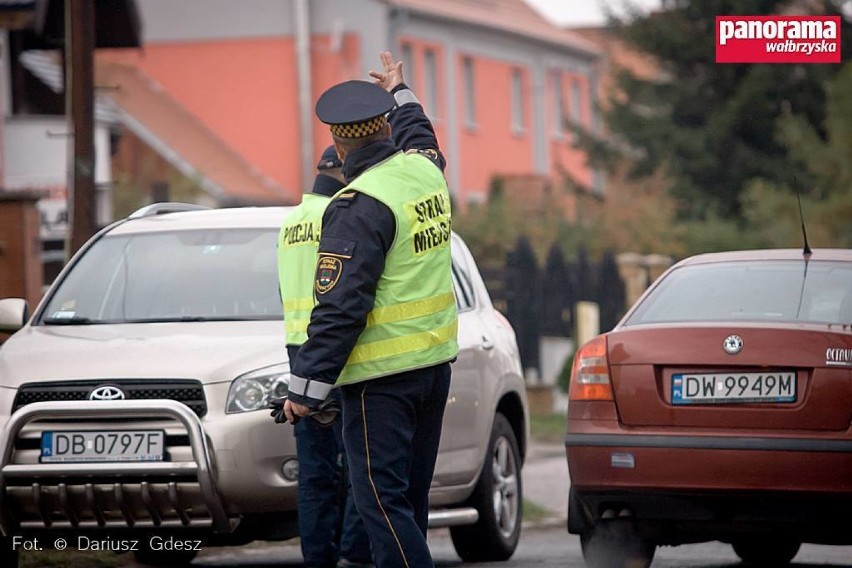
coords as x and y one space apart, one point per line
543 546
544 542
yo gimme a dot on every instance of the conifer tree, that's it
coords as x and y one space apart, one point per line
714 127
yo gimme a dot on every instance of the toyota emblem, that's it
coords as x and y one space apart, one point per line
733 344
107 392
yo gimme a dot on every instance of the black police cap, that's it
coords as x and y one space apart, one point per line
354 109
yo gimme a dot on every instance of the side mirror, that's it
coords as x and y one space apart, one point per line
14 313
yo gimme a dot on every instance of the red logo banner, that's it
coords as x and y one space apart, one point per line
777 39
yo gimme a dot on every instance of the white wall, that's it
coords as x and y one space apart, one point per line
198 20
36 157
36 152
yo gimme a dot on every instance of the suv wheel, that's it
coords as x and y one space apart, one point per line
766 551
164 558
616 544
498 496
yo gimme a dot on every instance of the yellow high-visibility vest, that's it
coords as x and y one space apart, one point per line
298 242
414 321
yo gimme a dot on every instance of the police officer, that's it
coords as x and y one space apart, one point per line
329 537
384 328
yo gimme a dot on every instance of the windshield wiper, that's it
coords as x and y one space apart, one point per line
179 319
72 320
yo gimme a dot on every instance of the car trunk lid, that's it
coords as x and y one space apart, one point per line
654 370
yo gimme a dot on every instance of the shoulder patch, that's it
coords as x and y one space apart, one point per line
344 199
328 273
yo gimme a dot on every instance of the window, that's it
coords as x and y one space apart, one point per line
469 91
214 274
750 291
463 289
430 64
408 64
558 105
576 112
462 283
517 101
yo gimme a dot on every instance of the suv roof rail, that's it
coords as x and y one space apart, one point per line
164 207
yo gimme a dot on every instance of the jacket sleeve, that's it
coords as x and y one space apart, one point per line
357 233
411 129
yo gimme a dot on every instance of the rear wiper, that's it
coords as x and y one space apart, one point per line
72 320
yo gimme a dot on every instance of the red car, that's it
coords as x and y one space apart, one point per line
719 408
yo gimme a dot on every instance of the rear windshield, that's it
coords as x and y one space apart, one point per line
784 291
171 276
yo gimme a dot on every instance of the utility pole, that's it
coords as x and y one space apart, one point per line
301 17
80 111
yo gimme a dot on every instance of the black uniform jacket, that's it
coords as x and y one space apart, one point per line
360 230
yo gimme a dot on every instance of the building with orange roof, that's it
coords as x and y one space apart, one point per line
217 95
496 77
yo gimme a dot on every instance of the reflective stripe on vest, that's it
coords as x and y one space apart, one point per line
414 322
298 242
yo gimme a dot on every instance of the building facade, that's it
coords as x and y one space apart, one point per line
500 82
221 93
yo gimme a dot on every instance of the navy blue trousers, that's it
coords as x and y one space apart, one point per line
391 430
324 496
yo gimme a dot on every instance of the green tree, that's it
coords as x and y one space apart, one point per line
826 191
491 229
713 127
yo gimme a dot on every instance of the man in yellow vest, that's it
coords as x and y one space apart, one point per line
330 530
384 327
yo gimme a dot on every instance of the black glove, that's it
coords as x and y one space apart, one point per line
325 414
276 407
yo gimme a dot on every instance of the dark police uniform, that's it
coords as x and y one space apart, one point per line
392 422
330 528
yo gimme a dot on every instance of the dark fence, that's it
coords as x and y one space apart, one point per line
540 301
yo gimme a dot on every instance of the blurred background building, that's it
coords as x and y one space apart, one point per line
211 101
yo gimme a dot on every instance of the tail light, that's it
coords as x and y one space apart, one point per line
590 373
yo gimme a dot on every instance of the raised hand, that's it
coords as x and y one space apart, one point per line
392 74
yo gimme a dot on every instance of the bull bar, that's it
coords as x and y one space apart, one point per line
200 467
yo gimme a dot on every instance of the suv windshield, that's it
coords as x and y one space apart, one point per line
816 292
171 276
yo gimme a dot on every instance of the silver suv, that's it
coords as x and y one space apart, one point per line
134 399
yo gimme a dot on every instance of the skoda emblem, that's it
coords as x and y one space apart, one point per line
733 344
107 392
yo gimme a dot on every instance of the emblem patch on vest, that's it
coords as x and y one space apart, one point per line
328 273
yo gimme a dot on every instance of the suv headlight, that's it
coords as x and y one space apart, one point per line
255 389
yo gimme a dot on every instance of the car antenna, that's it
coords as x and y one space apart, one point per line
807 249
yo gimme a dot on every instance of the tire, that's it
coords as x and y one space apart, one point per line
615 544
164 558
498 496
766 551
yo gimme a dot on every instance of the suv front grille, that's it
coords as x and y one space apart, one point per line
188 392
